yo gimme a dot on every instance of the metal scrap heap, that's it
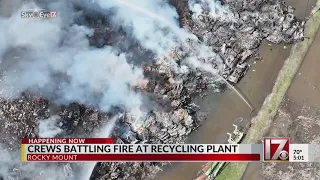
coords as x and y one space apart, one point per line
237 33
172 124
19 118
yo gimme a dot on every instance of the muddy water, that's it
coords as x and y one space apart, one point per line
302 7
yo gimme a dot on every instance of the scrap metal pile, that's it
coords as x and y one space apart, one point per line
235 39
237 33
160 126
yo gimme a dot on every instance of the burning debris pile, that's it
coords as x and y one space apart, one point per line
236 30
229 35
159 126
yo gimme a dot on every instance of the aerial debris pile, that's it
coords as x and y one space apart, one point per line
237 32
20 117
171 125
235 40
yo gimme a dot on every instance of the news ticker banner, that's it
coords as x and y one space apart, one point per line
104 149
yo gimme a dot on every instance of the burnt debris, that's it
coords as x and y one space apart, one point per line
237 33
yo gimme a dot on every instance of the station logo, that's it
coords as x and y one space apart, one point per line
276 149
38 14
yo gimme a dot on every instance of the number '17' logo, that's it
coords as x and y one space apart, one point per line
276 149
53 14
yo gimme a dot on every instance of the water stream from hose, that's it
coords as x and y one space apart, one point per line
105 132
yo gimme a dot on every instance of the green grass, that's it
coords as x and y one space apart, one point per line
262 122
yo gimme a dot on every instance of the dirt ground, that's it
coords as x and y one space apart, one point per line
299 119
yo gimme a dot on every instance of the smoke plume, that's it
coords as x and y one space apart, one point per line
9 162
48 128
212 8
155 25
53 57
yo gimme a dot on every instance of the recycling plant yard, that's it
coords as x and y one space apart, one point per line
136 73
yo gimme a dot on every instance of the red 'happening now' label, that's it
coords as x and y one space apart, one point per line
67 141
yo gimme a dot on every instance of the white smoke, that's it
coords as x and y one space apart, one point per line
10 161
54 58
212 8
204 52
101 72
153 23
48 128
